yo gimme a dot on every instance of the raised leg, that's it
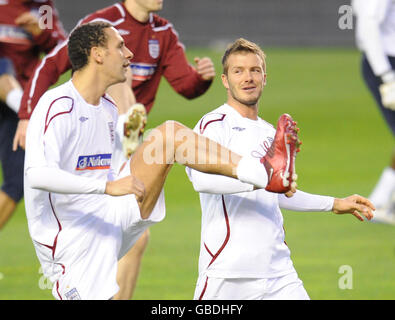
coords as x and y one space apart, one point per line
173 142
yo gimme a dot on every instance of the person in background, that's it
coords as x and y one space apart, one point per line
375 37
22 41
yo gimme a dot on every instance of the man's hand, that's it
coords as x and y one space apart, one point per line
291 192
205 68
7 84
29 23
387 91
127 185
20 135
356 205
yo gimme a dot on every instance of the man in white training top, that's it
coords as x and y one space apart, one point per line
81 217
375 36
243 254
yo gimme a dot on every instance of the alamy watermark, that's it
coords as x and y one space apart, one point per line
45 18
170 142
346 19
345 282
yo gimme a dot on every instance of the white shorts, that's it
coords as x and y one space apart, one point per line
131 222
86 262
288 287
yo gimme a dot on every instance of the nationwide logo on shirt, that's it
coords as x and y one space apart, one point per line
94 162
142 71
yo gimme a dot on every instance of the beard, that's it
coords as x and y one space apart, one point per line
250 101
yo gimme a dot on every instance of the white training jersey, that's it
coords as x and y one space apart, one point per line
375 32
242 234
67 133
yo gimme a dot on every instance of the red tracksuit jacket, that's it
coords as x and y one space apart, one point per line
22 48
157 51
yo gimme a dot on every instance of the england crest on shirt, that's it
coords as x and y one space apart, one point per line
153 48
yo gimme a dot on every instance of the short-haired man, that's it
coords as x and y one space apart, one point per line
243 254
82 218
157 52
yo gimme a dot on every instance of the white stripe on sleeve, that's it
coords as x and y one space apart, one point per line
53 179
303 201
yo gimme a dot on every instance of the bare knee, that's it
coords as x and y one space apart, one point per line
164 140
165 133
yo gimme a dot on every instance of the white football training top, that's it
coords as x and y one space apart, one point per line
73 140
375 32
242 232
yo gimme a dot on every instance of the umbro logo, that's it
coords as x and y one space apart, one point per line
238 128
83 119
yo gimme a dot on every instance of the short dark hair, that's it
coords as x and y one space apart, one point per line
83 39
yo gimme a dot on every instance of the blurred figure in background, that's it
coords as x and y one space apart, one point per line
21 43
375 36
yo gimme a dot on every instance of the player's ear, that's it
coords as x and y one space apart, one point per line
264 79
225 82
97 54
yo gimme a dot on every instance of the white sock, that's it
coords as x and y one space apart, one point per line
251 170
14 98
381 193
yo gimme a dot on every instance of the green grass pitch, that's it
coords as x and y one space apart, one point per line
346 144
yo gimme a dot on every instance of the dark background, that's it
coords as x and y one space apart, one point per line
211 23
